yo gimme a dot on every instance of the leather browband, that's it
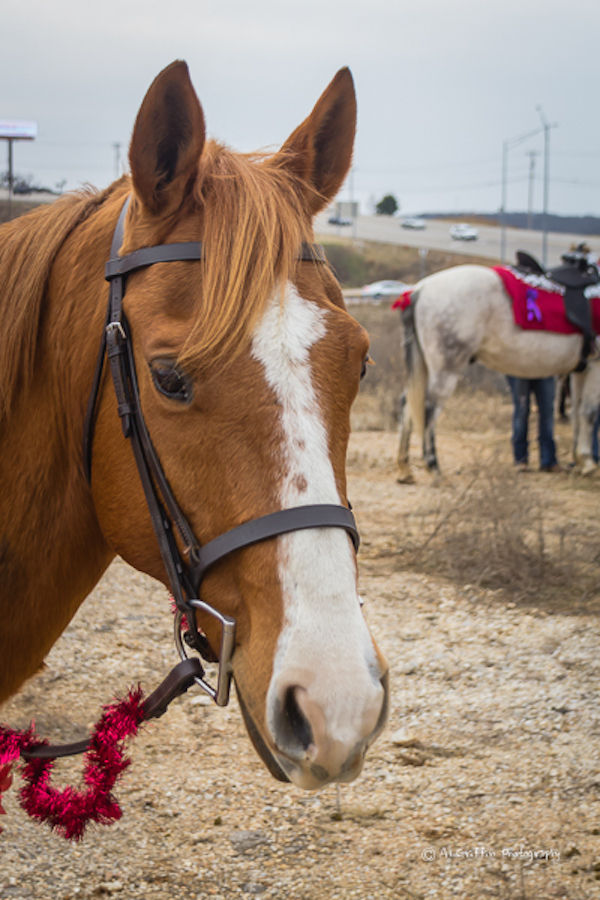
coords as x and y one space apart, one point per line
312 253
147 256
188 250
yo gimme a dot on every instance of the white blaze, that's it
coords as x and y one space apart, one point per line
324 636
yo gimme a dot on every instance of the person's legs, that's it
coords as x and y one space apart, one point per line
520 393
544 389
595 436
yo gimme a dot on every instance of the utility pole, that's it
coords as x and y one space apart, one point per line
11 179
532 155
117 149
12 130
506 145
546 128
354 223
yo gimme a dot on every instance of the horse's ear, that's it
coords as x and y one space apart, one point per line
319 151
168 137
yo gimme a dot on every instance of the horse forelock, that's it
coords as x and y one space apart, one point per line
253 225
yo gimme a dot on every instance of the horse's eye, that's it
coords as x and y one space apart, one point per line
365 363
170 380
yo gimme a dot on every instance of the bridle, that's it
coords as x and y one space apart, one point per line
167 517
185 577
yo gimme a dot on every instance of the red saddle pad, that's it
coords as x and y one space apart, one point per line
538 302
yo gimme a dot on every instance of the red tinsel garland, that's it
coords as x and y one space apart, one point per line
5 783
69 810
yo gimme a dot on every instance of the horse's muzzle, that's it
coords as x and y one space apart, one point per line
315 744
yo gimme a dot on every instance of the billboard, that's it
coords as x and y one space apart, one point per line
18 130
347 208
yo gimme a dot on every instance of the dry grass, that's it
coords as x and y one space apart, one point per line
494 529
377 405
524 536
530 537
493 533
361 262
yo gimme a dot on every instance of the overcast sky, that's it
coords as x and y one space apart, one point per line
441 85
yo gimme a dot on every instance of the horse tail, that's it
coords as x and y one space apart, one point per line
416 369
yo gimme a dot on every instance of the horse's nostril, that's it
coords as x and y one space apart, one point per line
295 732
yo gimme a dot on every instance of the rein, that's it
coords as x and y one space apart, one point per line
184 577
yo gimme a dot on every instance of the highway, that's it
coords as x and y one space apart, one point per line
436 236
388 229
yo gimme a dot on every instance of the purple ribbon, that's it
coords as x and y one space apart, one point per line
533 310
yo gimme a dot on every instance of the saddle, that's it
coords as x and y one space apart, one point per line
575 275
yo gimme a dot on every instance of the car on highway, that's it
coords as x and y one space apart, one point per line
380 290
339 220
414 222
463 232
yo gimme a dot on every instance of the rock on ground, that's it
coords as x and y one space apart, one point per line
485 784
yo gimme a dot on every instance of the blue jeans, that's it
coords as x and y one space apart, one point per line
543 389
595 437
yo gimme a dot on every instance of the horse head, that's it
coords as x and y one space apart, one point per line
248 364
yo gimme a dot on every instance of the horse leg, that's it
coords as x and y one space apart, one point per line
441 386
576 393
584 445
405 475
589 407
563 394
429 453
435 357
412 406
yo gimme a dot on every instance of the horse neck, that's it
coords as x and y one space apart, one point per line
52 551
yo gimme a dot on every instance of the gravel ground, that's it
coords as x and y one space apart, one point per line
484 785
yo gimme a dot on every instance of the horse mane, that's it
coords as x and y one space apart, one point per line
28 247
253 225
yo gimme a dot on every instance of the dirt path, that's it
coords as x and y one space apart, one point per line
485 784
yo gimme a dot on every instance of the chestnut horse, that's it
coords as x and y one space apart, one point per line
247 364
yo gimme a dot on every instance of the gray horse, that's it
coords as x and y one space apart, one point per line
461 315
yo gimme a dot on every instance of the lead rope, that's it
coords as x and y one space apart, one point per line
69 811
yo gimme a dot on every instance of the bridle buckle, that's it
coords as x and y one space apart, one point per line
115 326
220 693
